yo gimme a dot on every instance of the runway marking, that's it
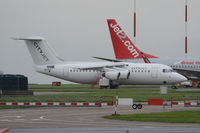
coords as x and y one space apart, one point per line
19 116
11 116
40 118
6 120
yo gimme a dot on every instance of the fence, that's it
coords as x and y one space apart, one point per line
62 101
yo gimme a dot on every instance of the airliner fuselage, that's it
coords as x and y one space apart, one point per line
116 73
140 73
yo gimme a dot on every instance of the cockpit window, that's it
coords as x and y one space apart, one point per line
168 70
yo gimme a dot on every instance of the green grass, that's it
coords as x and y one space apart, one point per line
82 86
64 86
140 93
169 117
12 107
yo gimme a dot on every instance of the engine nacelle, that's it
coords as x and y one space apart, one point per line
116 75
112 75
124 75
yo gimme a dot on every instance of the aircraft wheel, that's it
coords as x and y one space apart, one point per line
134 106
139 106
113 85
174 87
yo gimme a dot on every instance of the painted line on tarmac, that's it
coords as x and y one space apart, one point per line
40 118
11 116
5 120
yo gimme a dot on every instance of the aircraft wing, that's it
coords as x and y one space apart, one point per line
101 67
106 59
189 73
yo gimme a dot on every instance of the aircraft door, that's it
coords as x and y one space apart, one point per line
154 72
66 72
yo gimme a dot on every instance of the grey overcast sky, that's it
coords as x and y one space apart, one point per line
77 29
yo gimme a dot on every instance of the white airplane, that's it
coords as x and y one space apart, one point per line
126 51
116 73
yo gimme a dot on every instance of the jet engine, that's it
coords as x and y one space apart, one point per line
124 75
116 75
112 75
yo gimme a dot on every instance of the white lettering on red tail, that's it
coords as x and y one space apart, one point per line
126 43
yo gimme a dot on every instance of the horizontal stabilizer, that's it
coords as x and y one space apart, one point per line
150 56
29 38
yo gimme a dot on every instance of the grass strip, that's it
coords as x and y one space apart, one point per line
137 94
12 107
83 86
168 117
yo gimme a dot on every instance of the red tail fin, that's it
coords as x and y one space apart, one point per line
123 47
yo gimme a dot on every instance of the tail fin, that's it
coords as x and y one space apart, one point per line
41 53
123 47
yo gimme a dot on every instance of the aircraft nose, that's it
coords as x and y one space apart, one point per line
180 78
